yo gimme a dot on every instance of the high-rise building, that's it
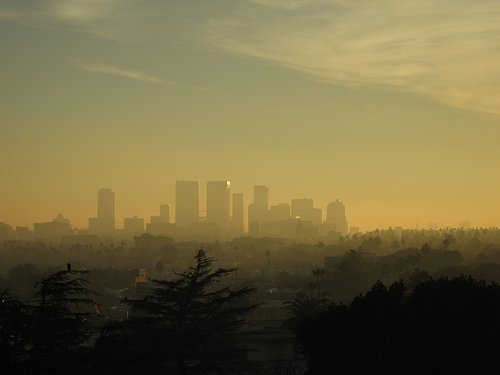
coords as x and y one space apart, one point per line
218 204
261 196
238 222
164 217
165 213
106 206
187 203
258 210
53 230
335 214
281 212
160 225
133 225
105 220
300 206
303 208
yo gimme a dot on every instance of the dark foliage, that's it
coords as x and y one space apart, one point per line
60 326
442 326
183 323
298 310
13 335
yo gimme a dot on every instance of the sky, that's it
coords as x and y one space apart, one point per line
392 106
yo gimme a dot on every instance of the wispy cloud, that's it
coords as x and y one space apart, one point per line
118 20
132 74
112 70
447 50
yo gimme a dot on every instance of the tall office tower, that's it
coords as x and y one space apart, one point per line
238 223
261 196
218 204
105 221
258 210
281 212
133 225
304 209
335 214
299 206
164 217
165 213
187 203
106 206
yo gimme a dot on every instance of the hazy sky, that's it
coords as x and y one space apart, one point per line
391 106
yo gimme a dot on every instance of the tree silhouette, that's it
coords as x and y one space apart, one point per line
181 323
442 326
319 273
300 309
61 324
349 276
14 316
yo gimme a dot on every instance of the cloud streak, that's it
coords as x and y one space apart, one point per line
132 74
114 71
447 50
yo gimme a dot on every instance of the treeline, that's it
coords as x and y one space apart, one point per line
180 326
190 324
440 327
474 245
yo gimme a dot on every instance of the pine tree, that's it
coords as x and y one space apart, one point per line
61 325
184 323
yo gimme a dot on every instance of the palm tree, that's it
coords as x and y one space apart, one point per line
319 273
298 310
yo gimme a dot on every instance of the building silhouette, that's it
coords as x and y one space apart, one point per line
335 214
238 221
5 231
218 204
187 203
53 230
105 220
133 225
259 209
261 196
303 209
281 212
164 217
161 225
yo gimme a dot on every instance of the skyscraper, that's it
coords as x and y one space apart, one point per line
187 203
261 196
164 217
258 210
133 225
301 206
238 223
304 209
335 214
105 221
165 213
218 204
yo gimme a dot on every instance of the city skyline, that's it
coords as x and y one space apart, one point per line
189 192
392 108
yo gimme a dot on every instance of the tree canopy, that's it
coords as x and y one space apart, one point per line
442 326
182 323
